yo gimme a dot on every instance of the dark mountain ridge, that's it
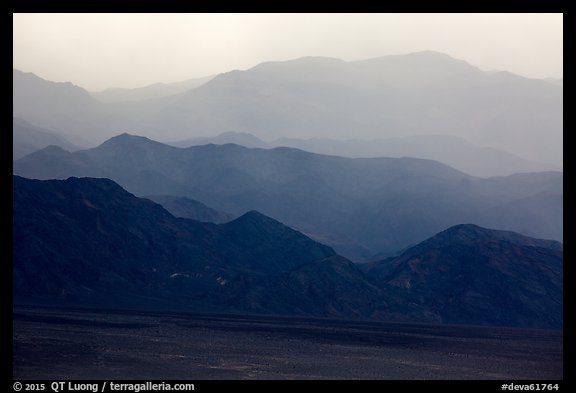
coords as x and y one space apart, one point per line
359 206
466 270
88 242
189 208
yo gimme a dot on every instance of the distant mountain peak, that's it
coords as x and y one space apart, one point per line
471 230
126 135
432 63
254 216
126 138
254 221
57 150
54 151
235 133
229 137
470 234
67 85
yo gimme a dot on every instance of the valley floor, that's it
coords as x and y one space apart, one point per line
59 344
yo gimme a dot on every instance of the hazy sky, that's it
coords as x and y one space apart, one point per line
97 51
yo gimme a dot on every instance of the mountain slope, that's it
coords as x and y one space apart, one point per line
189 208
421 93
472 275
450 150
238 138
359 206
453 151
87 241
155 90
27 138
56 106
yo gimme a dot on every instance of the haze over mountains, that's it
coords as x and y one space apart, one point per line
453 151
155 90
278 181
360 207
424 93
89 242
27 138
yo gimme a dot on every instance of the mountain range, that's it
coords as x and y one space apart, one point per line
88 242
424 93
27 138
360 207
156 90
450 150
326 188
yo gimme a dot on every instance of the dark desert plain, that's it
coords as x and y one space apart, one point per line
62 343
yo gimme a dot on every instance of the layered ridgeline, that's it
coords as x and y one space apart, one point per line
155 90
89 242
451 150
361 207
56 106
27 138
421 93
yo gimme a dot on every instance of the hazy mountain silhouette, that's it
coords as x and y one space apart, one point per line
189 208
421 93
469 274
359 206
57 106
450 150
156 90
239 138
27 138
88 242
